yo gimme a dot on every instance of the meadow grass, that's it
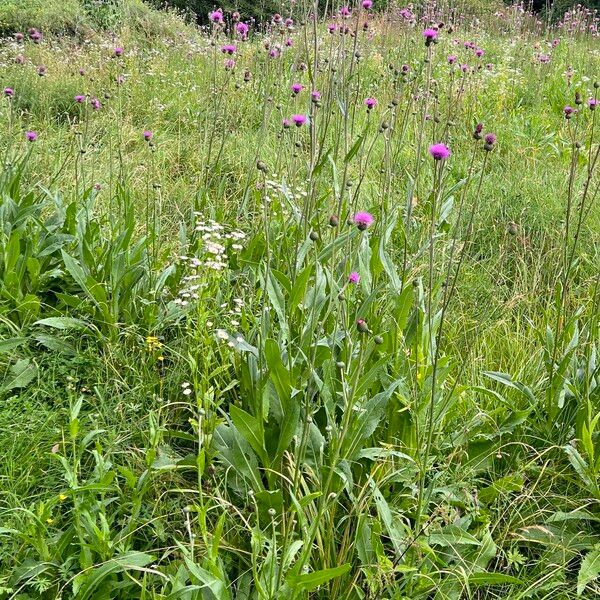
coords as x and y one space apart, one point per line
261 338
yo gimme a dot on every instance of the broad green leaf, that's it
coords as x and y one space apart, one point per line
251 428
589 570
87 582
485 578
62 323
310 581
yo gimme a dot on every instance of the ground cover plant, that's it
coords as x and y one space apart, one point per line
306 308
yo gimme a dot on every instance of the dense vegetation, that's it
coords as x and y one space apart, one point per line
310 311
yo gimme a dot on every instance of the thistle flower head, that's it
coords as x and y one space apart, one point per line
430 35
216 16
9 92
228 49
439 151
147 135
31 136
242 29
363 220
370 103
299 120
490 141
297 88
354 277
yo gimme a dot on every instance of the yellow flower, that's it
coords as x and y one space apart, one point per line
49 521
152 343
62 497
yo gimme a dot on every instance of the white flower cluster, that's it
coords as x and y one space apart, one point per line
216 241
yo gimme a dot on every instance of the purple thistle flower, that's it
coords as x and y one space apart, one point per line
286 123
490 140
216 16
235 16
439 151
228 49
9 92
331 27
31 136
479 53
430 35
229 64
19 37
451 59
367 4
118 51
299 120
242 30
363 220
80 99
147 135
95 104
20 59
289 43
370 103
354 277
35 36
345 12
315 96
593 103
41 70
569 111
297 88
478 130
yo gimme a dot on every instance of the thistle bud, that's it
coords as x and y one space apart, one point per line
362 326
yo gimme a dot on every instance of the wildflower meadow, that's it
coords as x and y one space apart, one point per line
299 303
